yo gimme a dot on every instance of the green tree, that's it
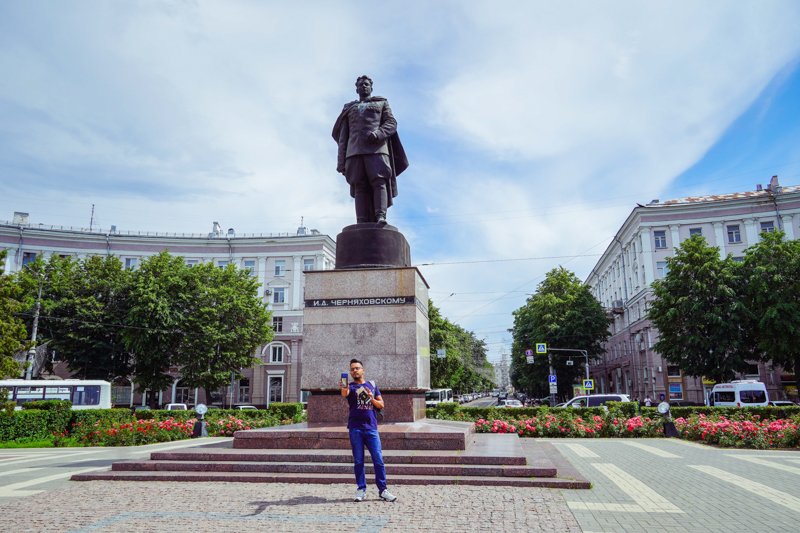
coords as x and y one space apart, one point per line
771 282
13 334
465 367
223 328
564 314
83 308
700 312
160 298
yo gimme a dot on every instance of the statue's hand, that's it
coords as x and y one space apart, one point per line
340 169
373 136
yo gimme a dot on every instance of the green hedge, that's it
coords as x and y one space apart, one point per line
59 413
87 420
285 411
31 424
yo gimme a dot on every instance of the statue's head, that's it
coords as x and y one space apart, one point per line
364 85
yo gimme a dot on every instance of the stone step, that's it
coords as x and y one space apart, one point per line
329 468
421 435
331 456
270 477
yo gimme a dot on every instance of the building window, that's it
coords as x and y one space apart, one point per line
661 269
660 237
734 235
192 262
131 263
250 266
183 394
277 324
673 371
278 295
244 391
276 353
28 257
738 258
767 227
676 391
222 263
695 231
308 264
280 267
275 389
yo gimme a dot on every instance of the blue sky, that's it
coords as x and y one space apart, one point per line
532 128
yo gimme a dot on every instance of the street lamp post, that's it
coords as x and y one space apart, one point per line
31 355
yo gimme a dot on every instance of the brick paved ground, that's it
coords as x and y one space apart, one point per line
638 485
674 485
213 507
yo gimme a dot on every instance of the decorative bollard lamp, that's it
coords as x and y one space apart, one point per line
199 429
669 426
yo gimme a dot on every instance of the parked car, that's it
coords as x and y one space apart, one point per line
596 400
176 407
510 403
244 407
782 403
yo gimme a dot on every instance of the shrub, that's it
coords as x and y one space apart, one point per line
59 413
30 424
623 409
742 432
283 411
87 421
136 432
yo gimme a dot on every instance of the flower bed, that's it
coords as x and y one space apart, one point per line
570 425
151 431
741 432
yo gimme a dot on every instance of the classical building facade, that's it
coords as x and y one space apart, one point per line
636 257
277 260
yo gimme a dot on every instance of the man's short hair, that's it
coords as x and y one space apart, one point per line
364 77
356 361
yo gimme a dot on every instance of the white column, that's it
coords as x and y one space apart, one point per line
719 237
261 273
676 235
297 281
788 228
751 231
647 256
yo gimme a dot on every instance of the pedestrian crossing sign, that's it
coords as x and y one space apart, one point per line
588 384
541 347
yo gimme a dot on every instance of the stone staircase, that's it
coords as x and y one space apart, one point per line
421 453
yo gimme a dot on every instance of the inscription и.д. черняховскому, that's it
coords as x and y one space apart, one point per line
359 302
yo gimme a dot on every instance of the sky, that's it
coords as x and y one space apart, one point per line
533 128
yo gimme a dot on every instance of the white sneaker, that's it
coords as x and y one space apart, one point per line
360 495
387 496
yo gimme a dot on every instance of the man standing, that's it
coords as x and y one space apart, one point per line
370 154
364 398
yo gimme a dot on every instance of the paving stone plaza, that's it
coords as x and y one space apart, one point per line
637 485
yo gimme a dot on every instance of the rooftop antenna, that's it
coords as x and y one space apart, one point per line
91 219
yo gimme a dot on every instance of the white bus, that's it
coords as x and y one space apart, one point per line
436 396
84 394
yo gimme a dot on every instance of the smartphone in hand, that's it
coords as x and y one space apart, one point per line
343 381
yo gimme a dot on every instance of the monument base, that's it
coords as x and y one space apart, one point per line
371 245
326 407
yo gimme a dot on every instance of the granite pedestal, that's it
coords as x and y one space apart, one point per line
376 315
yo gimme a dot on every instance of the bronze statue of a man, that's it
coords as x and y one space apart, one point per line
370 154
